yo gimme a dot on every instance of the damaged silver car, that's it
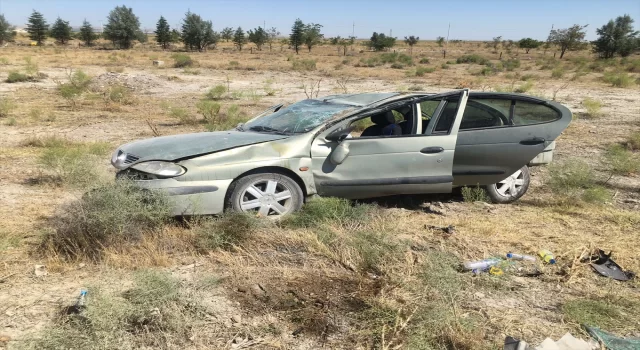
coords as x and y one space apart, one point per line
352 146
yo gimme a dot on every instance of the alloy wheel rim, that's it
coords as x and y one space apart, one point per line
512 185
266 198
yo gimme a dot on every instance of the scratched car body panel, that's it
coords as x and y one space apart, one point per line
352 146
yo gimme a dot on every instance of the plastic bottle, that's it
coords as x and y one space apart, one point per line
515 256
81 298
547 256
480 265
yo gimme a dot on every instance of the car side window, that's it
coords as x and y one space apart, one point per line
527 113
485 113
447 117
395 122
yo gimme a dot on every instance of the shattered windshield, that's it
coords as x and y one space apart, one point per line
299 117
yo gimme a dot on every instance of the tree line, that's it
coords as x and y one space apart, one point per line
617 37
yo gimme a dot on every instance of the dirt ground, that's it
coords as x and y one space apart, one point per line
280 295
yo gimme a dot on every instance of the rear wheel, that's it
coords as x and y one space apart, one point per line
511 188
266 194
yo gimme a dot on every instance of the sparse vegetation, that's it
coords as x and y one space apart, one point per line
182 60
618 79
593 108
477 59
71 164
621 161
6 107
216 92
632 142
112 214
421 71
472 194
226 231
303 64
17 77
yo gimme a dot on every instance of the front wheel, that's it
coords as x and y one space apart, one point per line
266 195
511 188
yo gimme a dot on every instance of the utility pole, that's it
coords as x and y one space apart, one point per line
391 32
264 25
353 30
446 43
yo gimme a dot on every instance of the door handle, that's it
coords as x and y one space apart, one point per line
532 142
432 150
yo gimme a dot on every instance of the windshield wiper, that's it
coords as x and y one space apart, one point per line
267 129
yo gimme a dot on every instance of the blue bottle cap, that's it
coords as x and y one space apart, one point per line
509 255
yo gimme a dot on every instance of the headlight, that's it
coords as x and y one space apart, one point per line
159 168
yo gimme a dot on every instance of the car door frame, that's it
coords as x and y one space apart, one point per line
328 181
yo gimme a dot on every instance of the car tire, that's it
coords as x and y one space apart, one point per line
503 192
270 195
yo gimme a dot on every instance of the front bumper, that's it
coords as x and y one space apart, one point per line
191 197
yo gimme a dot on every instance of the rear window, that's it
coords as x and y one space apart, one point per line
527 113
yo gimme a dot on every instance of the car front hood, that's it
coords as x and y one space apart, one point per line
176 147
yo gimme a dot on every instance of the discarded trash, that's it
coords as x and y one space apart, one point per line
511 343
78 307
612 342
40 270
480 265
567 342
496 271
515 256
604 265
547 256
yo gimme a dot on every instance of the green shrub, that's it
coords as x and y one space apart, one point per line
474 194
570 178
444 66
405 59
72 164
527 77
11 122
216 92
397 66
210 111
233 112
388 57
182 60
612 314
50 141
524 87
618 79
183 115
557 72
633 141
330 210
511 64
633 66
375 249
113 213
234 64
78 83
6 107
4 61
225 231
119 94
477 59
424 61
597 194
593 108
421 71
621 161
304 65
17 77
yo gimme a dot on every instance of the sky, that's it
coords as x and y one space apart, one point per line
470 20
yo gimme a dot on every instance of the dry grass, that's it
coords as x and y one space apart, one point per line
343 274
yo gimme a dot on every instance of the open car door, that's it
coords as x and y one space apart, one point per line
500 133
374 166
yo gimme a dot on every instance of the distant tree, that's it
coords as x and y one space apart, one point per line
312 35
258 36
496 42
239 39
297 36
528 44
440 41
142 37
272 35
411 40
227 34
344 42
380 42
163 33
61 31
175 36
568 39
123 27
37 27
197 34
616 37
86 33
7 31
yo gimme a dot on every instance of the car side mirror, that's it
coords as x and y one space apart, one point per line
339 135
